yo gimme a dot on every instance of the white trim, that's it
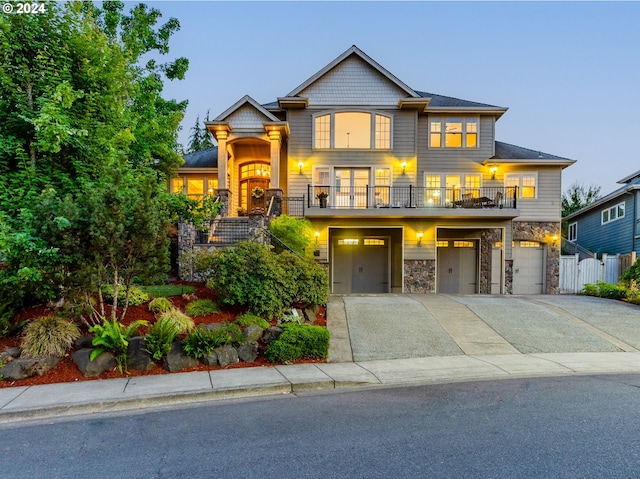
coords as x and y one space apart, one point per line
332 125
572 228
613 209
521 174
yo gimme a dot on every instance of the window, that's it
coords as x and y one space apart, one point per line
348 242
194 186
614 213
445 188
352 129
374 242
459 132
572 232
526 183
529 244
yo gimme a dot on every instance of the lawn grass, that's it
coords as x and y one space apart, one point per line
165 290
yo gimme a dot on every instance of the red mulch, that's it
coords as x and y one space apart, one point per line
67 371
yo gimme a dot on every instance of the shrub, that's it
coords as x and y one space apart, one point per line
604 290
299 341
309 281
183 323
7 328
249 275
201 342
112 336
48 336
136 295
296 233
250 319
631 275
160 305
289 318
201 307
159 338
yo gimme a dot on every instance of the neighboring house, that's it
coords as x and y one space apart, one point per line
611 224
420 196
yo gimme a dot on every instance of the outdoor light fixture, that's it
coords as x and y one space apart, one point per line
419 236
493 170
300 165
317 235
404 167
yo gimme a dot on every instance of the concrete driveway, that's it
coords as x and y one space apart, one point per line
396 326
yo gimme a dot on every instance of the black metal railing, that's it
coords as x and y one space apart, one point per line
293 206
363 197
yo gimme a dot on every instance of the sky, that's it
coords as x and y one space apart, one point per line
569 72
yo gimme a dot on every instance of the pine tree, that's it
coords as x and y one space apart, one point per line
195 140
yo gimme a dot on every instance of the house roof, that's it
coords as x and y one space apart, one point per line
240 103
440 101
201 159
632 183
354 50
505 151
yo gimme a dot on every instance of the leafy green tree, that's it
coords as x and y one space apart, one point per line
577 197
86 144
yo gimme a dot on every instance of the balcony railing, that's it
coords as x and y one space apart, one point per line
363 197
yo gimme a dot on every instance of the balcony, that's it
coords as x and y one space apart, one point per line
394 201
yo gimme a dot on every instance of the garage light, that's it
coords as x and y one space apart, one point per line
419 236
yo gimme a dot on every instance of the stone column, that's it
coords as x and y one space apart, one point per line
225 199
258 223
276 194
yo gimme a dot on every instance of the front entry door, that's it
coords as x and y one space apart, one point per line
457 267
249 202
351 187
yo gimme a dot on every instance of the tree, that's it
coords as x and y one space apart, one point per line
200 138
577 197
86 142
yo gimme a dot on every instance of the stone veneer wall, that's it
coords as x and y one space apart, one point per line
419 275
543 232
508 276
487 238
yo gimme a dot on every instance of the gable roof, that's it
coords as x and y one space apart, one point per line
201 159
239 104
441 101
632 183
354 50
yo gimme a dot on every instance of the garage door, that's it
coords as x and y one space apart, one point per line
360 265
528 267
457 266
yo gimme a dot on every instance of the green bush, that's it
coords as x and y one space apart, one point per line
112 336
308 280
299 341
249 275
160 305
136 295
159 338
630 277
183 323
7 328
250 319
604 290
201 342
48 336
296 233
201 307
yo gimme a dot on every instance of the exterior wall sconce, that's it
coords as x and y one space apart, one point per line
493 171
404 167
419 236
300 165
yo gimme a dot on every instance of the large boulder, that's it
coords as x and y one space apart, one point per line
103 362
248 351
26 367
177 360
137 356
226 355
271 334
9 354
253 333
210 359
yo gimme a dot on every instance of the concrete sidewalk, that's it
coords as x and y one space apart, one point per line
387 340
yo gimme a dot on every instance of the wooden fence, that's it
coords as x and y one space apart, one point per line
574 273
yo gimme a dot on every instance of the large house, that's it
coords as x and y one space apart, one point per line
611 224
418 194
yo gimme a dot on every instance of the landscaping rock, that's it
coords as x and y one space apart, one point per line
26 367
271 334
210 359
310 314
177 360
137 356
248 352
226 355
84 342
253 333
211 327
103 362
10 353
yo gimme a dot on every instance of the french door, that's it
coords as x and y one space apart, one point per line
351 187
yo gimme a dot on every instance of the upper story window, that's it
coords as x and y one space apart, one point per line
526 183
614 213
454 132
572 232
352 129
